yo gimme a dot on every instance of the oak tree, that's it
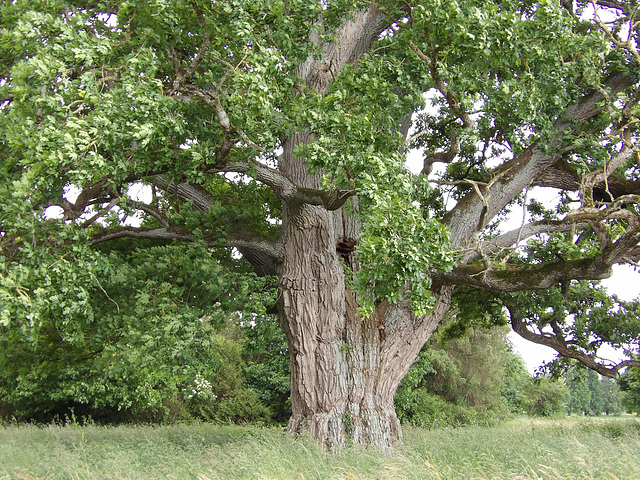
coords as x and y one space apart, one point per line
279 130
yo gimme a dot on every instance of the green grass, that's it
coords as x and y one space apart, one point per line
573 448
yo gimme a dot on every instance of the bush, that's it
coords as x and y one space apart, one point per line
545 397
243 406
429 410
131 354
267 374
231 401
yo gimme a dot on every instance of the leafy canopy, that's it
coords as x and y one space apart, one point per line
127 128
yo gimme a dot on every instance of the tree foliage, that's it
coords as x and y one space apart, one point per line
112 334
165 163
612 404
592 395
475 378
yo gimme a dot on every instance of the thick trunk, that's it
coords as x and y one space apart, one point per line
344 369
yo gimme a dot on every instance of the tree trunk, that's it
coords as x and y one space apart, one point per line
345 369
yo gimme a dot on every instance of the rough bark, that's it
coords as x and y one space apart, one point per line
345 369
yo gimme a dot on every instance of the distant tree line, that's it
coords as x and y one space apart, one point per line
589 394
478 377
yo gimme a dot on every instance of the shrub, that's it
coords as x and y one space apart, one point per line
545 397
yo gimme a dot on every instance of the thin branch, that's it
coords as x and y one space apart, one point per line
180 73
105 292
626 45
511 239
454 103
452 100
442 157
212 99
98 214
616 4
152 211
520 230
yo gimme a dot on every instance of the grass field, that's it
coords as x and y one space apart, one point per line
572 448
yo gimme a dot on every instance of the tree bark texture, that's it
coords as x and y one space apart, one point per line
345 369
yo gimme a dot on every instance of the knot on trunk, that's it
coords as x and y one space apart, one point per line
345 248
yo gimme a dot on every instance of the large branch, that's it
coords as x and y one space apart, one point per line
262 253
615 4
271 248
475 211
602 184
520 278
283 187
541 276
90 194
286 189
196 194
351 41
163 234
561 346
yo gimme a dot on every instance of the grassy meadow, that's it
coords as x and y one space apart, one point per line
568 448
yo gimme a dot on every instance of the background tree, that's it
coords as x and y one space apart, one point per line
579 392
475 377
279 132
545 397
596 403
478 366
611 396
515 379
630 387
590 394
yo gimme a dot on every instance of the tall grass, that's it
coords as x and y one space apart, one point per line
521 449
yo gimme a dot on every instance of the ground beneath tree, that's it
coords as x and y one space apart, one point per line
524 448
